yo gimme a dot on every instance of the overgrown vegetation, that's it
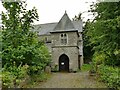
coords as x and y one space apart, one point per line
14 76
86 67
36 80
110 75
23 55
102 39
104 32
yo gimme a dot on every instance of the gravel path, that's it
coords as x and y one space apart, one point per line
71 80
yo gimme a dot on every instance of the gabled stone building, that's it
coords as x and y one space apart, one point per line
64 41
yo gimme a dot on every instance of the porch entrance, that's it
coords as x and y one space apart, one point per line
63 63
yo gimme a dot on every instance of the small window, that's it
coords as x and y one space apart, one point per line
65 35
47 40
63 38
61 35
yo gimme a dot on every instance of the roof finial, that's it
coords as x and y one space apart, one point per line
65 12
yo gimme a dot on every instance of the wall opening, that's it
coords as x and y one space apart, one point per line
63 63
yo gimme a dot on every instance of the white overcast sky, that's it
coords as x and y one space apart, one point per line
52 10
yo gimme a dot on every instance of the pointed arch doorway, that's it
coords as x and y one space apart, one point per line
63 63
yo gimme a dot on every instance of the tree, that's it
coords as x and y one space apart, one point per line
102 35
76 18
87 48
104 32
20 45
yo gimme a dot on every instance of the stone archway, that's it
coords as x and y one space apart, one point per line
64 63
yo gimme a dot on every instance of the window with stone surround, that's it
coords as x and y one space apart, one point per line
63 38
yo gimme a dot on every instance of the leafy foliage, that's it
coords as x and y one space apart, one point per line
102 35
87 48
104 32
13 75
110 75
20 45
76 18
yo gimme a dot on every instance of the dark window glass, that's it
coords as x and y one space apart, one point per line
65 35
61 35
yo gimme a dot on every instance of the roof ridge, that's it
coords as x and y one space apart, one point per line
54 23
47 23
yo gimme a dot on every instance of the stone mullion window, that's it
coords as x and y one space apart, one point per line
64 38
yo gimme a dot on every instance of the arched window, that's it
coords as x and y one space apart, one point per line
63 38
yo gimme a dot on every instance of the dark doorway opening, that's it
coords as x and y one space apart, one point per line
63 63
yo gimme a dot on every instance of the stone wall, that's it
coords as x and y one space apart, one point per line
73 49
72 39
70 49
71 52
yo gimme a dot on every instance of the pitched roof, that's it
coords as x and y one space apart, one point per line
64 24
44 29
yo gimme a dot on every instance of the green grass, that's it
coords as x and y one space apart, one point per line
86 67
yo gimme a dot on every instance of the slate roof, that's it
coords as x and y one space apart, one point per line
44 29
64 24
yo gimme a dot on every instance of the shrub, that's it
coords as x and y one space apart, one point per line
7 79
13 76
110 75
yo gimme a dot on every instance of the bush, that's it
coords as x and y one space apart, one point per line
7 79
99 58
110 75
13 76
